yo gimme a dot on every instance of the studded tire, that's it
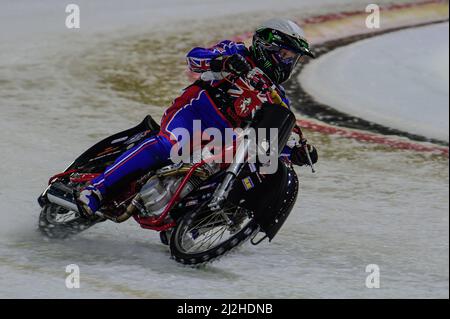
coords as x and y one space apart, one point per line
53 225
248 230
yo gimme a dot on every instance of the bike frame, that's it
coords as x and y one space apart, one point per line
161 222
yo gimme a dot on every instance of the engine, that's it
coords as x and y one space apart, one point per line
156 193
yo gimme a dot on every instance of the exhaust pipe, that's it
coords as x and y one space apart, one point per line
63 196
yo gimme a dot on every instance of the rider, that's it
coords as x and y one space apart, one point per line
277 46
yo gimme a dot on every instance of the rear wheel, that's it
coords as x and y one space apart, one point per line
203 235
58 222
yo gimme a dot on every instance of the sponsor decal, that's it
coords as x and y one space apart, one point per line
248 183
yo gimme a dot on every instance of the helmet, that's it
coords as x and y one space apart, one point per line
269 41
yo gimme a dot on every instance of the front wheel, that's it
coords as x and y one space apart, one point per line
202 235
58 222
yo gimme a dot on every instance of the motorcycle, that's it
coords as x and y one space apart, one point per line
201 212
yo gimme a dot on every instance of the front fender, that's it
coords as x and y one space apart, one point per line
271 197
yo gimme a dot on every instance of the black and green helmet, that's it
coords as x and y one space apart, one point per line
270 38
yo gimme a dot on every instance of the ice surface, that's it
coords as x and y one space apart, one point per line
400 80
367 204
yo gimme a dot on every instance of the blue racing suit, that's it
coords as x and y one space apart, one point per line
197 102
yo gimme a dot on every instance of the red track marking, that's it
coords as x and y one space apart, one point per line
344 132
372 138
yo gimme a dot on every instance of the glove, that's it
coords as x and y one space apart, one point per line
299 157
235 64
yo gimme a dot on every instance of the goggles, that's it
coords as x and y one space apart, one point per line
283 54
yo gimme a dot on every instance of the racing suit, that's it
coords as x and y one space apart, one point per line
206 100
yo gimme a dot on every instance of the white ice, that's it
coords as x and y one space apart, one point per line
400 80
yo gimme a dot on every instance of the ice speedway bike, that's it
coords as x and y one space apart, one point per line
201 211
